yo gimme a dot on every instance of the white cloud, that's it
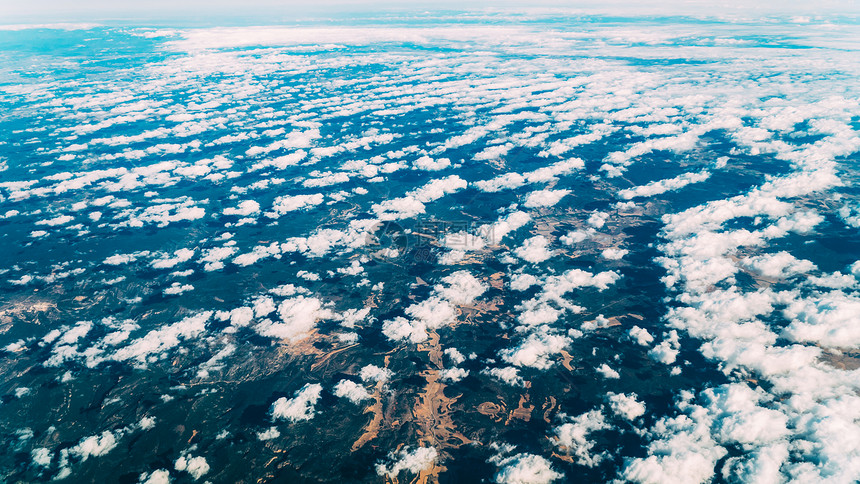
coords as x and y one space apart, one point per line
453 375
196 466
176 289
626 406
41 456
778 265
58 220
300 407
576 236
429 164
572 437
244 209
167 262
269 434
460 287
94 445
641 336
213 257
352 391
298 317
160 476
534 250
155 344
829 320
614 253
286 203
597 219
509 375
606 372
536 350
526 469
412 461
663 186
544 198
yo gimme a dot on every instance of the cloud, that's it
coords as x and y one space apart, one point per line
494 233
597 219
373 373
300 407
536 350
167 262
298 317
544 174
244 209
663 186
573 437
460 287
509 375
412 461
196 466
453 375
436 311
544 198
606 372
94 445
58 220
352 391
429 164
682 451
576 236
41 457
534 250
829 320
270 433
213 257
157 342
525 469
160 476
778 266
176 289
614 253
413 202
625 406
641 336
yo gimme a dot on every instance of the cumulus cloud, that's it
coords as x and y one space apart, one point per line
412 461
196 466
300 407
536 350
270 433
625 406
298 316
429 164
509 375
534 249
94 445
167 262
453 375
663 186
778 265
641 336
413 202
573 437
525 469
287 203
160 476
352 391
373 373
606 372
613 253
544 198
